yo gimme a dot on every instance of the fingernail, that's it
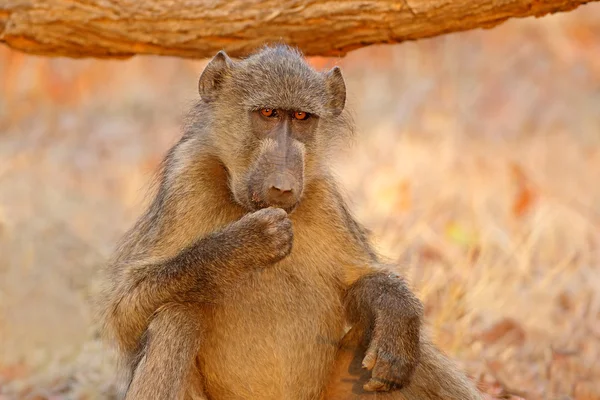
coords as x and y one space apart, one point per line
373 385
369 361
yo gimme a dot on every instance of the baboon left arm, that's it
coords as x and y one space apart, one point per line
380 303
387 319
381 294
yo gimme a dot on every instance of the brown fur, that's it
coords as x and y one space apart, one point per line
215 294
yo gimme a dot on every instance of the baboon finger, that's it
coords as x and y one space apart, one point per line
370 357
376 385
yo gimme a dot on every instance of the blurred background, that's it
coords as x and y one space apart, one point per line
476 165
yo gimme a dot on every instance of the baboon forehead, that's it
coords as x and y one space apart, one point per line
281 78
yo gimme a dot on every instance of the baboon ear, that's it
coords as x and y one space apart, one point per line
212 76
336 89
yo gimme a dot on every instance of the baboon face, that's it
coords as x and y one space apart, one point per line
270 112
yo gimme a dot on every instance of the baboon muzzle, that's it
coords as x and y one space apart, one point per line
281 165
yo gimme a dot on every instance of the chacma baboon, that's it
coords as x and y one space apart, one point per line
240 278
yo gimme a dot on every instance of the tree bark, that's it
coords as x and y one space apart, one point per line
199 28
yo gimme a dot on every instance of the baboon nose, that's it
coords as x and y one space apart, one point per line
281 192
281 185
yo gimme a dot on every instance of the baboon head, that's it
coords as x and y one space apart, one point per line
272 118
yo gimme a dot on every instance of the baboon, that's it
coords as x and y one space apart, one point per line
241 278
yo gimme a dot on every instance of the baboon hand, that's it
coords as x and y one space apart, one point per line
392 356
267 235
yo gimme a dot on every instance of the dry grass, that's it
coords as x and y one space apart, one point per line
477 166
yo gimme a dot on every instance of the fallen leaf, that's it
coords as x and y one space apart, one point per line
460 234
525 196
587 391
507 330
14 371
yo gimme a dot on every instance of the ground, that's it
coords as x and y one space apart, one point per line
476 165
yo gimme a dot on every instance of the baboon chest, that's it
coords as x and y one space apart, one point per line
275 338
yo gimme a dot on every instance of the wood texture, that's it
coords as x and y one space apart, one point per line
199 28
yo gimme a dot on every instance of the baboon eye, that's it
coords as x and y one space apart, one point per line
268 112
301 115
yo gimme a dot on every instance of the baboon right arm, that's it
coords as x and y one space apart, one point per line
165 369
202 272
205 267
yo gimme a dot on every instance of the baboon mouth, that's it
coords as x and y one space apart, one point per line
258 202
289 208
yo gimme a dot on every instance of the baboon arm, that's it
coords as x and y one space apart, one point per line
378 290
202 272
436 377
381 304
166 364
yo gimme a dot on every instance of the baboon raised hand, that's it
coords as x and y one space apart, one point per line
239 280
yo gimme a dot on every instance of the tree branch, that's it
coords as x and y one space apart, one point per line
200 28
